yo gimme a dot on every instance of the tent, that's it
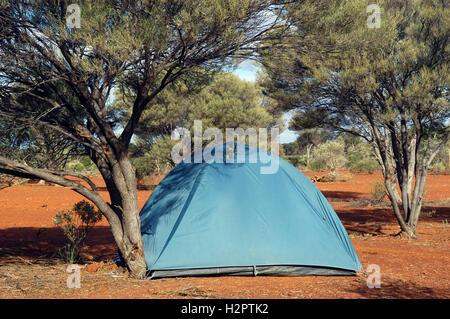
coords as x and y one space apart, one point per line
229 219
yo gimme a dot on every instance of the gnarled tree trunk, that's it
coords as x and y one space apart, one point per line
121 213
120 180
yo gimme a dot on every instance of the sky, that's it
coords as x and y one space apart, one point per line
247 70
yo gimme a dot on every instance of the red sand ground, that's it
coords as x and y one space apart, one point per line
409 268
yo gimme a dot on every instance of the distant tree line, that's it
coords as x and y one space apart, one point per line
327 152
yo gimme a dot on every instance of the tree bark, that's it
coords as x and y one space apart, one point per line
120 180
385 155
308 153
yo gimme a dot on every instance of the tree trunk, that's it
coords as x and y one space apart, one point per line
408 233
132 247
122 213
448 153
395 204
308 153
121 183
408 223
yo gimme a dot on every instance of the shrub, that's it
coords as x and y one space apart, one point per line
297 161
76 225
86 161
317 165
363 166
157 160
301 161
361 159
441 162
78 167
343 177
439 168
292 160
143 167
378 191
330 153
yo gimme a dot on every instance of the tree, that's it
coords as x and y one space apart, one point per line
331 153
69 65
226 102
230 102
388 85
309 135
169 109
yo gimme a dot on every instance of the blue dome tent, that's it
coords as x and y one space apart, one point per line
229 219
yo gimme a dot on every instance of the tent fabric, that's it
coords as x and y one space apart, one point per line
225 218
254 271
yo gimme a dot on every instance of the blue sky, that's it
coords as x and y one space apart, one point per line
247 71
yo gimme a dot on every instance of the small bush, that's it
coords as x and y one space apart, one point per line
86 162
76 225
329 155
317 165
361 158
78 167
143 167
363 166
157 160
378 191
301 161
439 168
292 160
297 161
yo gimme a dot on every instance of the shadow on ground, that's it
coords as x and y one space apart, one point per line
400 289
44 242
341 195
371 221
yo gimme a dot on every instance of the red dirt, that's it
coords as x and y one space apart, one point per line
409 268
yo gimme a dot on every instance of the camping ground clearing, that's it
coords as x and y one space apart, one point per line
409 268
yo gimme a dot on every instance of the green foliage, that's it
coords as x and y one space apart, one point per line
143 167
363 166
332 154
78 167
226 102
345 151
41 147
86 161
291 148
360 157
441 163
439 167
157 160
378 191
76 224
230 102
297 161
81 164
307 138
317 165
